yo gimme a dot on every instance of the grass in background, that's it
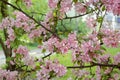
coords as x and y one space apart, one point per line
113 51
32 46
0 47
66 60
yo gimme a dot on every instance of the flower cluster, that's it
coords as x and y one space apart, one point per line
51 69
8 75
112 5
22 50
80 8
117 58
22 21
64 45
29 61
65 5
91 22
52 3
110 38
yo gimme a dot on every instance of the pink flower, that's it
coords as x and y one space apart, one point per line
80 73
11 75
91 22
85 58
52 3
112 6
7 23
34 33
48 16
22 50
66 5
22 21
7 42
104 58
80 8
50 44
116 76
98 73
12 63
108 70
51 66
11 34
20 16
117 58
110 38
8 75
29 61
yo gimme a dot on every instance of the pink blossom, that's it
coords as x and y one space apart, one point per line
80 73
34 33
110 37
104 58
8 75
117 58
98 73
63 46
90 46
20 16
51 66
80 8
85 58
108 70
12 63
50 44
65 5
22 21
91 22
7 22
29 61
11 34
7 42
22 50
11 75
116 76
52 3
48 16
112 6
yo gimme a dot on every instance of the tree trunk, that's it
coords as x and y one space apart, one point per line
7 51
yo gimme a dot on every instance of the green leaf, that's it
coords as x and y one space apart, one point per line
43 50
75 1
99 19
103 48
9 59
103 8
54 13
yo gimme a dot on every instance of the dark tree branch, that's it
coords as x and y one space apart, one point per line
46 56
96 64
79 15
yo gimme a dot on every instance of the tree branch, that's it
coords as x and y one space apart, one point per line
79 15
39 23
46 56
96 64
